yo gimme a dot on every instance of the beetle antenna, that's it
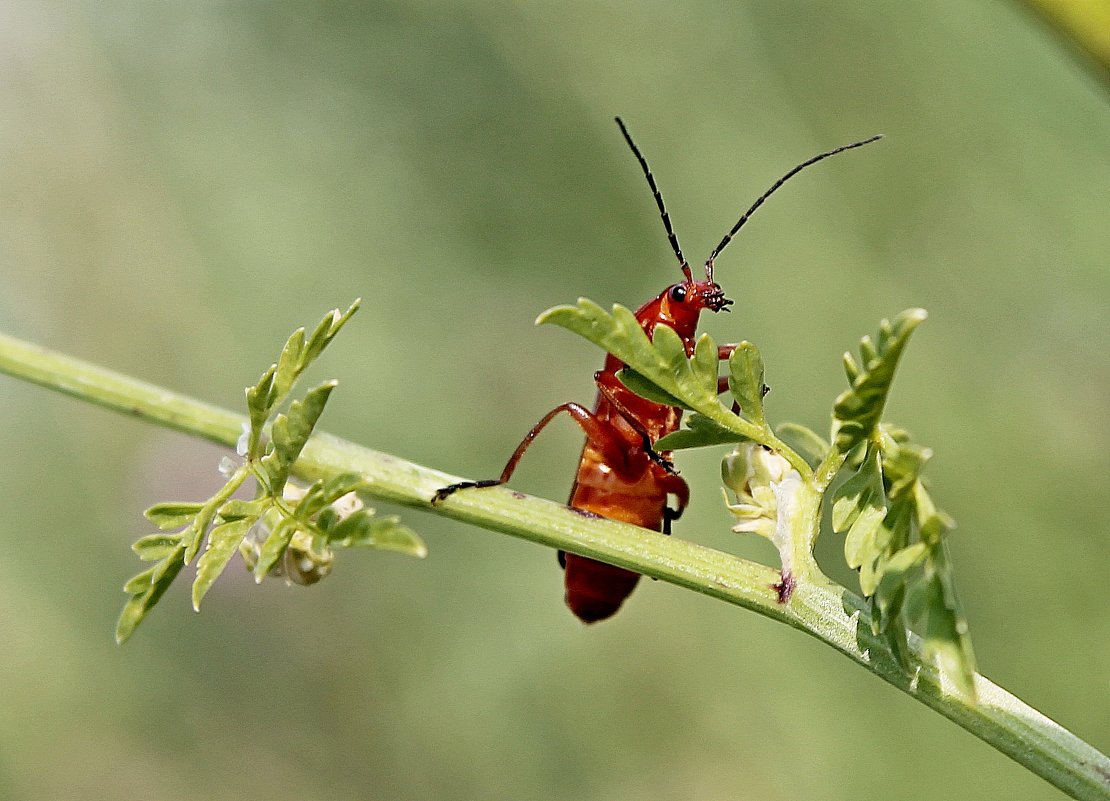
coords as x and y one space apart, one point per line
774 187
658 200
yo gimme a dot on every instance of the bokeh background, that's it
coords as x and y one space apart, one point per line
183 184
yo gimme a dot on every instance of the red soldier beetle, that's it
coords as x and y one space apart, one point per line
620 475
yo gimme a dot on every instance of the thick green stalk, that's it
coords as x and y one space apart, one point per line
827 612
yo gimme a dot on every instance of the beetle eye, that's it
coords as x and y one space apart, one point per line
678 292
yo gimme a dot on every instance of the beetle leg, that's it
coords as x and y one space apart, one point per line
605 383
724 352
597 431
681 490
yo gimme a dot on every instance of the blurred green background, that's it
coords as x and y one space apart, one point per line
183 184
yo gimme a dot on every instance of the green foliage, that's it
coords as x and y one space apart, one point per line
858 410
896 538
745 382
894 534
805 441
662 361
660 370
699 432
285 529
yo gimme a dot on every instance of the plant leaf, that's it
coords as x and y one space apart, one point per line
237 509
645 389
326 330
144 598
662 361
274 546
745 381
233 517
260 401
947 641
904 568
223 542
806 442
337 486
289 364
194 536
699 432
172 515
291 431
154 547
362 529
859 507
858 409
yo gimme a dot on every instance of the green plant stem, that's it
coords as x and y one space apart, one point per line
823 610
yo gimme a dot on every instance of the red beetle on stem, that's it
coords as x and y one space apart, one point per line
620 475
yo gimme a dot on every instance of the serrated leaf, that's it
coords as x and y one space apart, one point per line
662 361
904 566
302 419
858 410
321 335
291 431
915 606
311 502
257 394
861 510
745 381
154 547
223 542
237 509
810 445
168 516
362 529
273 548
260 402
864 488
391 535
148 594
645 389
235 516
946 638
851 369
867 351
860 543
260 396
141 582
326 330
704 363
896 574
699 431
327 518
669 345
289 364
349 531
194 536
343 484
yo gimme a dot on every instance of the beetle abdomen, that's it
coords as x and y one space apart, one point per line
596 590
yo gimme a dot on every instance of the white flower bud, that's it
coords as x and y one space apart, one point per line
765 486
